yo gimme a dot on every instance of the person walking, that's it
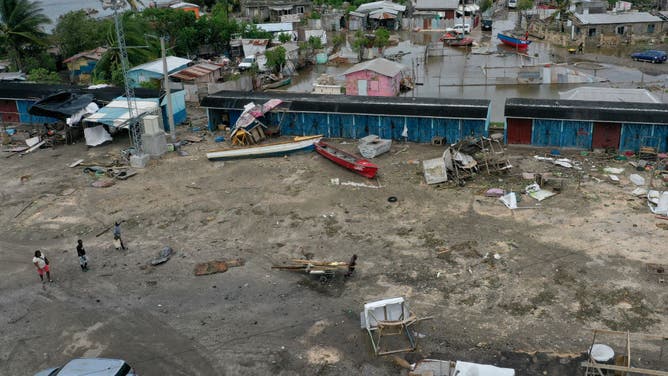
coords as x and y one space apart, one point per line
118 241
83 259
42 264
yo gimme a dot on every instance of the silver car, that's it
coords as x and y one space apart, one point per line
91 366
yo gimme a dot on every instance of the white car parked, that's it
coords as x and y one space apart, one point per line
512 4
465 28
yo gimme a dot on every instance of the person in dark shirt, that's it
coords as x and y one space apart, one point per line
351 266
81 252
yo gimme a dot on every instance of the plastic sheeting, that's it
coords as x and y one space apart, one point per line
96 135
61 105
473 369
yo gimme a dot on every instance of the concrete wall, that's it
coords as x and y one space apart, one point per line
377 84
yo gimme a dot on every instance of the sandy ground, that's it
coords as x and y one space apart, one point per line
577 262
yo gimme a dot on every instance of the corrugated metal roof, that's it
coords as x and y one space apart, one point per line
196 71
368 7
386 106
116 112
155 66
616 18
436 4
275 27
94 54
608 94
618 112
31 91
379 65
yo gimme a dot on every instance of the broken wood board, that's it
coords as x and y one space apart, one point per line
216 266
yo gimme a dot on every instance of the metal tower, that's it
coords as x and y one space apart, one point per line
134 127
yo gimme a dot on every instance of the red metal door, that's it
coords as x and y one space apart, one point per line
8 111
606 135
519 131
426 23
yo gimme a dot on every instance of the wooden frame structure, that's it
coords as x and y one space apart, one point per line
622 364
382 319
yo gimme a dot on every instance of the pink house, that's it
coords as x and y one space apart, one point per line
378 78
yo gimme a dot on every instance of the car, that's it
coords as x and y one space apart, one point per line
247 63
512 4
459 28
90 366
653 56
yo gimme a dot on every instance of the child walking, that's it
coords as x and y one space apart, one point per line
42 264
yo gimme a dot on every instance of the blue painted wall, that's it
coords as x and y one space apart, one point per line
635 135
562 133
24 117
335 125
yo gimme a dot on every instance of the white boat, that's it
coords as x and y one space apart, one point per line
266 150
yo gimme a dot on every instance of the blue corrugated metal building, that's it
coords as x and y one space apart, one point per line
586 124
17 98
356 116
153 70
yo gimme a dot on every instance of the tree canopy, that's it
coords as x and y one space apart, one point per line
275 58
21 23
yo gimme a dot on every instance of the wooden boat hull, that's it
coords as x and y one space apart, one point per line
277 84
351 162
521 44
297 144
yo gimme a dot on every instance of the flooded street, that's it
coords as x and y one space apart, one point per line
490 69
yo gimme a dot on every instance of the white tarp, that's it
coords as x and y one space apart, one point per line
658 202
473 369
96 135
90 109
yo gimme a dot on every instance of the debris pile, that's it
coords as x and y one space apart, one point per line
464 159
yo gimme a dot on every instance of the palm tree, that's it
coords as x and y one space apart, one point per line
134 4
20 25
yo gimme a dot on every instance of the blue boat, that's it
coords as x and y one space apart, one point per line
521 44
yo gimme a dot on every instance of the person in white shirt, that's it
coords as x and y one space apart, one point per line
42 265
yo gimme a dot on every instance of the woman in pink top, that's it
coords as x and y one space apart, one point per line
42 265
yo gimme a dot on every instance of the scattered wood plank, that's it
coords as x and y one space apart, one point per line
24 208
33 148
75 163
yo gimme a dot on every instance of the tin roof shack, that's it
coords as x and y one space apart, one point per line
582 124
16 99
194 79
81 65
186 7
421 119
272 10
614 28
115 114
431 14
153 70
382 14
378 77
278 28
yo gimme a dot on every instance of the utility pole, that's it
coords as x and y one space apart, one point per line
134 127
165 73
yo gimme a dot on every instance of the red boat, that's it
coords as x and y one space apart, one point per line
351 162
